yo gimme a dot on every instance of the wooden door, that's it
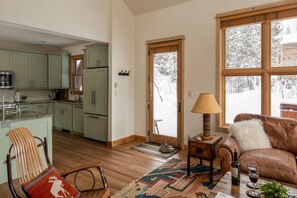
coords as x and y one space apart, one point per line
89 88
164 96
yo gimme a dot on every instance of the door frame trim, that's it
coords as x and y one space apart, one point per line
159 43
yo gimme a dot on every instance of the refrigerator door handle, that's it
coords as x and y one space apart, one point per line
96 117
93 97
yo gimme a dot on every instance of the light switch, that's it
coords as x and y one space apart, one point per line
189 94
115 85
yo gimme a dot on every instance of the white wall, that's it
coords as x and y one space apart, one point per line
195 20
122 87
84 19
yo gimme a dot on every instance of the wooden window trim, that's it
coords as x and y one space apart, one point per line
72 69
263 14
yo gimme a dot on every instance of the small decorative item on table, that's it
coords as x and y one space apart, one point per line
204 150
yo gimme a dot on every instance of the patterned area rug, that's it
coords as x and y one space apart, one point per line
171 180
152 149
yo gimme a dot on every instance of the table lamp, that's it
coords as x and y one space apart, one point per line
206 105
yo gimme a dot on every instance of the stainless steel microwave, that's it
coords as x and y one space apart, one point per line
6 79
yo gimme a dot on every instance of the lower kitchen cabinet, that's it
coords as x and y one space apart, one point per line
78 119
63 116
96 127
43 107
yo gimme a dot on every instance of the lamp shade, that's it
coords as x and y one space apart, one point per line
206 104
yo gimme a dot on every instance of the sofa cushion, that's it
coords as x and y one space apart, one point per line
272 163
250 135
282 134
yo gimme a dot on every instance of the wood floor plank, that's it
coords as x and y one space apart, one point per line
121 165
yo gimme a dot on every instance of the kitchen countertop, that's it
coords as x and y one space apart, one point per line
25 115
52 101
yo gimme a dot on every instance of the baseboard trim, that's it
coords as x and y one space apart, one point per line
111 144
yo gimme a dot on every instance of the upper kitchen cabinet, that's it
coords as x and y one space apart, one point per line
58 65
96 55
30 70
6 60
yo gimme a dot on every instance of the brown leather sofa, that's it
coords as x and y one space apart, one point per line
277 163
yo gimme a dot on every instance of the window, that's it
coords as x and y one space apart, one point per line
77 65
257 62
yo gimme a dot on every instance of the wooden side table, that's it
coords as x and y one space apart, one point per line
204 150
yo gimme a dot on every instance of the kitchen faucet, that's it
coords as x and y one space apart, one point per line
3 107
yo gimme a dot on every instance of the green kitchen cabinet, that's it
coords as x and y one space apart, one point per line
96 127
30 70
25 107
39 70
63 116
6 60
96 55
95 82
21 64
42 107
41 127
58 67
78 119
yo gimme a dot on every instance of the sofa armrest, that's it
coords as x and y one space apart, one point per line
225 151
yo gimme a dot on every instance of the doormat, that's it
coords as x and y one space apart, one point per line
171 180
153 149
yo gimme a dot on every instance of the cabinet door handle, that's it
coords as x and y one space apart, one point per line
80 107
94 117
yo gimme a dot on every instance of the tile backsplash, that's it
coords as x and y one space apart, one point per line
32 95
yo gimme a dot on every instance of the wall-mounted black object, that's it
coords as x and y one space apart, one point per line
124 73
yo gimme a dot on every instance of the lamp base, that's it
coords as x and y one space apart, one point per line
206 137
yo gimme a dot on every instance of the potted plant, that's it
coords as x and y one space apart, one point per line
275 190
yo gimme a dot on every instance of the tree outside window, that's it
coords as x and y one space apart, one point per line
77 65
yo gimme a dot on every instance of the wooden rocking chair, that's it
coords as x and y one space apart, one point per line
29 165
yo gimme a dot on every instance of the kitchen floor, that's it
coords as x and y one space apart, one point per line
121 165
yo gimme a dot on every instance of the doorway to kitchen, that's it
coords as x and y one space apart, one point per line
165 91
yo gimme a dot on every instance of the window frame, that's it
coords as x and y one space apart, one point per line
263 14
73 73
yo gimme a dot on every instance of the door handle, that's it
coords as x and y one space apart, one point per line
93 97
94 117
80 107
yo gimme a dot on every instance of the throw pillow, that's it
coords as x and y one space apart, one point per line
250 135
49 184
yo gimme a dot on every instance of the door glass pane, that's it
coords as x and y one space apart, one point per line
284 42
165 94
243 95
243 46
284 96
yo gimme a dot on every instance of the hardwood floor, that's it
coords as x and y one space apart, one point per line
121 165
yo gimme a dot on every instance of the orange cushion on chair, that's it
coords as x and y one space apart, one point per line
49 184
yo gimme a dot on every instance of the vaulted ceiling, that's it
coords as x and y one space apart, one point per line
143 6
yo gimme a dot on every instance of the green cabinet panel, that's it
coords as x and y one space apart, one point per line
96 55
22 75
78 119
63 116
25 107
96 127
39 71
58 71
39 127
43 108
6 60
30 70
96 91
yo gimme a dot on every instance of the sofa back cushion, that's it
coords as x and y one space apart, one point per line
282 132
